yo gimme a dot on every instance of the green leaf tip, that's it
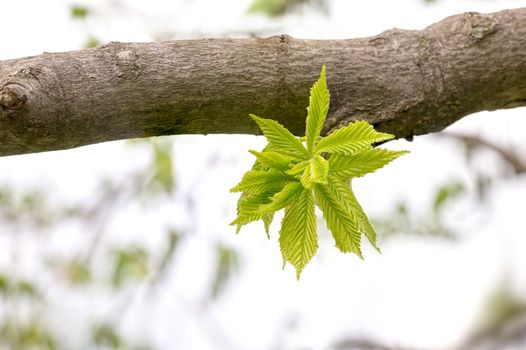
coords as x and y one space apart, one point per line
297 174
317 111
280 138
298 239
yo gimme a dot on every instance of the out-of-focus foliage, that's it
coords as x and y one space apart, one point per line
92 42
82 13
17 334
13 287
503 322
503 326
432 223
173 240
163 173
275 8
79 12
446 193
105 335
126 266
227 263
404 220
30 208
77 272
502 305
129 264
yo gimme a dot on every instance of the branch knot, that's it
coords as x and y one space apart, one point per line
11 100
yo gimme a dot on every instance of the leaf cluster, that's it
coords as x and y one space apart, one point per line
297 174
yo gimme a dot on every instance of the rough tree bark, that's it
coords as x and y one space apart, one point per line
405 82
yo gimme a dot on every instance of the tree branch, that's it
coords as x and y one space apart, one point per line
404 82
507 154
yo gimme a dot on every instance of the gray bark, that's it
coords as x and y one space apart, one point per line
405 82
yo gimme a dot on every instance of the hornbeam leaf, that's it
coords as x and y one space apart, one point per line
280 138
345 195
362 163
298 239
274 160
317 111
339 221
257 181
285 197
351 139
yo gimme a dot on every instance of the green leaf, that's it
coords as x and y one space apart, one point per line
268 148
287 175
248 206
317 110
257 181
339 220
362 163
316 172
247 210
267 220
298 239
305 178
351 139
257 164
319 169
283 198
345 196
274 160
298 169
280 138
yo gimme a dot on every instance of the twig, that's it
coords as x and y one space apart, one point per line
511 157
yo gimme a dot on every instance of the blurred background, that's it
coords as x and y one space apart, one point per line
126 245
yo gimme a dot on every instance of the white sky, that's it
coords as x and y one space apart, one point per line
422 291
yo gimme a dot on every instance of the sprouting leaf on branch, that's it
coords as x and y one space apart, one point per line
297 174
